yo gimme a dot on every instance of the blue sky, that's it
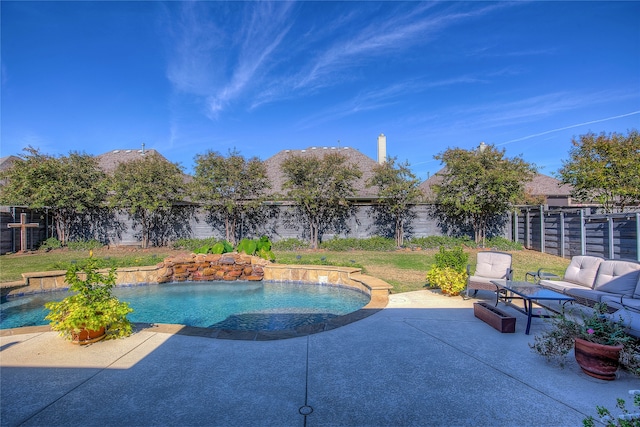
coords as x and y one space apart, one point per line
187 77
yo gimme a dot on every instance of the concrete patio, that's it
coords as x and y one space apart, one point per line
425 360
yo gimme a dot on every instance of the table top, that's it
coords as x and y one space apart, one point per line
531 291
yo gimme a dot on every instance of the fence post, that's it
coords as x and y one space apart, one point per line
527 229
612 254
562 234
515 226
638 236
583 243
542 228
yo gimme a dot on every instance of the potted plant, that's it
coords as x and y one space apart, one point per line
92 312
597 342
624 419
449 271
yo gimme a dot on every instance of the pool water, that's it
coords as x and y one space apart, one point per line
246 306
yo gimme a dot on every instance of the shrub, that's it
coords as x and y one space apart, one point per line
290 244
193 244
375 243
502 244
455 259
84 245
449 280
258 247
449 271
432 242
50 243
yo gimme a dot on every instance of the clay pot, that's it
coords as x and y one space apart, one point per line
87 336
598 360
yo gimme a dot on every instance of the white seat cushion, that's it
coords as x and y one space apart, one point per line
494 265
582 270
618 277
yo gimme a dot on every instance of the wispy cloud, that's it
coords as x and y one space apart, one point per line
381 98
536 135
261 34
218 58
265 52
383 38
505 113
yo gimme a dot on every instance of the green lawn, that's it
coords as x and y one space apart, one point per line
405 270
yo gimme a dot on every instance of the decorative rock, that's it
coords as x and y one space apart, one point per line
229 260
207 267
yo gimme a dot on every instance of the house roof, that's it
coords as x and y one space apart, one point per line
547 186
540 185
365 163
7 161
110 160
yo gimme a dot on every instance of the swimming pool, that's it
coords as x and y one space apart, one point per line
242 306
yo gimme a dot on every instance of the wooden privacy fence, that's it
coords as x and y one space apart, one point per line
570 232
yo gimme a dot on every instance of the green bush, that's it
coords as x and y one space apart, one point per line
290 244
258 247
449 271
455 259
221 247
447 279
193 244
433 242
502 244
84 245
375 243
50 243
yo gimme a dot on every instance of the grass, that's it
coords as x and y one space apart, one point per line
405 270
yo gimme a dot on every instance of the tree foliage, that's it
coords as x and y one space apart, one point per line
231 188
151 190
604 169
66 185
322 188
478 185
398 191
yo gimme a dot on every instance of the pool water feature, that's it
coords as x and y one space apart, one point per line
241 306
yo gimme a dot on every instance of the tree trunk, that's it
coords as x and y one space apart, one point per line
60 231
230 228
314 235
399 233
145 230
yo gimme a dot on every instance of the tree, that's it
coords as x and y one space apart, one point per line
231 188
479 185
604 169
151 190
68 186
322 188
398 191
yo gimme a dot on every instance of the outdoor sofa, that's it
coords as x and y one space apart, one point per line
591 279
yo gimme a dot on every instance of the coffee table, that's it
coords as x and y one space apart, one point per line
529 293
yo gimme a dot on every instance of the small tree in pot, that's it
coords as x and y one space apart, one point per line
93 307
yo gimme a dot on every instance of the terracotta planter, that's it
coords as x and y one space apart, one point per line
86 336
598 360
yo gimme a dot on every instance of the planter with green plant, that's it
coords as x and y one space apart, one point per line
449 271
597 340
624 419
92 308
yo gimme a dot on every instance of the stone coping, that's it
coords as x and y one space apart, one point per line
377 289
